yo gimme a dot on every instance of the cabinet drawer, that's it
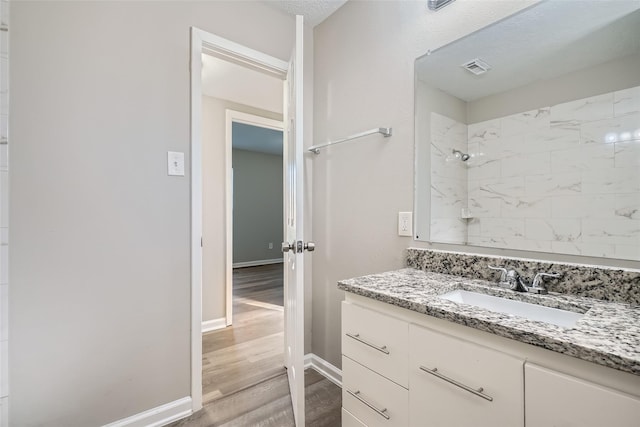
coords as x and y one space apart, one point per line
371 398
348 420
459 383
556 399
377 341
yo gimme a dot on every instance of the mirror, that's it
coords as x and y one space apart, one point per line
528 133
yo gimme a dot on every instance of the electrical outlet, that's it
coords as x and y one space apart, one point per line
405 223
270 245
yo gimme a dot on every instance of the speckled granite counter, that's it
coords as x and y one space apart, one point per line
608 334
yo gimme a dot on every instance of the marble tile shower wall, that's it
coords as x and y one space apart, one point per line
448 180
564 178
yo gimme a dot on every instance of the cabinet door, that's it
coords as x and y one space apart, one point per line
376 341
348 420
371 398
456 383
556 399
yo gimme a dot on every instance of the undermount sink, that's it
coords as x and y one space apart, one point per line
555 316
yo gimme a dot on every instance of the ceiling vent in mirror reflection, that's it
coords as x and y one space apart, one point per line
438 4
476 66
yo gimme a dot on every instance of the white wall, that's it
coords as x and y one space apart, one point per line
100 259
364 55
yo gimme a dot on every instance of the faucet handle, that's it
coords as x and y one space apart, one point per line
503 272
537 279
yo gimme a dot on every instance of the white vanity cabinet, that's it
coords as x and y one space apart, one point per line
374 367
480 379
458 383
557 399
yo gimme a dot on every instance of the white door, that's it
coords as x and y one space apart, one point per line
293 245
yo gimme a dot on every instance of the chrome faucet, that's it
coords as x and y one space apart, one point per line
512 280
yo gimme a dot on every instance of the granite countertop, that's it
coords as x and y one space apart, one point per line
608 334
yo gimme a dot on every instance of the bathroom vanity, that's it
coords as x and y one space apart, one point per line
413 358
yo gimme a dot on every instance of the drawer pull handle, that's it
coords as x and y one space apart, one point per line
356 337
381 412
477 392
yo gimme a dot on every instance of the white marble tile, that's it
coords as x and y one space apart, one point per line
502 227
627 154
570 115
526 164
448 230
627 252
551 139
626 101
562 230
447 133
624 128
497 188
627 206
585 249
473 228
446 165
553 185
4 312
607 181
528 244
521 123
619 231
4 13
484 131
583 158
487 241
595 206
484 207
485 170
526 207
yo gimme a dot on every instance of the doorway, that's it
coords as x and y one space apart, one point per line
242 165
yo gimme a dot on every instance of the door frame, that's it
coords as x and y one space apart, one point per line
235 116
205 42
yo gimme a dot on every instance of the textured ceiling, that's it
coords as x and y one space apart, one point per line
550 39
314 11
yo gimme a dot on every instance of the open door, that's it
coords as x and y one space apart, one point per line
294 245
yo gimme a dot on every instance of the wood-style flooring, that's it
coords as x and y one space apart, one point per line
244 381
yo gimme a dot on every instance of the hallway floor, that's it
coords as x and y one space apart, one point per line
244 381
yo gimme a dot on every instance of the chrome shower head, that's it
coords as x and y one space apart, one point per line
460 155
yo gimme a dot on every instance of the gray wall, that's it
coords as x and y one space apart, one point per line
363 78
364 57
257 206
213 196
100 258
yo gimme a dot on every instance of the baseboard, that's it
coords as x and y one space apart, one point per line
158 416
257 263
212 325
325 368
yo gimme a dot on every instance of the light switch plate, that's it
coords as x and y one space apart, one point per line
405 223
175 163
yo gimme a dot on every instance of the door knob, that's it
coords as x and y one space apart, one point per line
286 246
298 247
